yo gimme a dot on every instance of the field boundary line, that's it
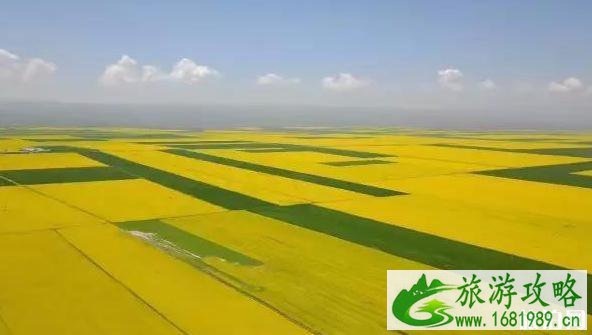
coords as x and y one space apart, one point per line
127 288
28 187
3 322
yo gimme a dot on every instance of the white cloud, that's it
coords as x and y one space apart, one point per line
128 71
343 82
190 73
451 79
8 64
568 85
38 68
125 71
6 56
274 79
13 68
488 85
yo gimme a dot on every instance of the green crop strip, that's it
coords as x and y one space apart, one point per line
212 194
561 174
414 245
184 241
403 242
107 136
569 152
337 152
285 146
342 152
421 247
330 137
474 147
355 163
63 139
194 142
247 145
320 180
270 150
516 139
64 175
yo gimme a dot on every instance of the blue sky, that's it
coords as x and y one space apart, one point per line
392 50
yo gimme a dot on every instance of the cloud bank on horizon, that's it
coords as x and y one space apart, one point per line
477 55
128 71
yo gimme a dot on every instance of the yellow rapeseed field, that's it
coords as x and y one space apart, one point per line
45 161
126 200
285 231
195 301
23 209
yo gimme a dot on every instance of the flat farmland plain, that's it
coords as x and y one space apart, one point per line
271 231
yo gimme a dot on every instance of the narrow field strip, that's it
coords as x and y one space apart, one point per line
212 194
193 141
44 160
311 163
558 202
356 163
325 181
466 222
424 248
337 152
168 236
330 137
511 139
569 152
269 150
64 175
126 200
82 139
237 145
414 245
273 189
491 158
561 174
115 135
285 147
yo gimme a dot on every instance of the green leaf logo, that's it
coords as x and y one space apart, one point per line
406 299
